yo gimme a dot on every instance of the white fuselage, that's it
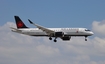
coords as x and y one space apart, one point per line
63 33
67 31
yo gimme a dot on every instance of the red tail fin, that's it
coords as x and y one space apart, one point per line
19 22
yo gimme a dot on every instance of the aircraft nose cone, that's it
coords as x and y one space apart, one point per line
91 33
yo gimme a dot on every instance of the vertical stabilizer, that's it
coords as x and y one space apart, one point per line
19 22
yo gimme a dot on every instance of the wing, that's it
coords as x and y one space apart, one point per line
48 31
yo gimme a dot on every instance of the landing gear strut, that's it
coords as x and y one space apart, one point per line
85 38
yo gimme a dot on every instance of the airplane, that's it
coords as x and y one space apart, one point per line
64 33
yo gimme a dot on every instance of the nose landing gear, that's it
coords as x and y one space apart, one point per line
85 38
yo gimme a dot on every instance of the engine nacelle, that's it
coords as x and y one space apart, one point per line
58 34
66 38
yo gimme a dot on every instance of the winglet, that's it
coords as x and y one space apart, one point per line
30 21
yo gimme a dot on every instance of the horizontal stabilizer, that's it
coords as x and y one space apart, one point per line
15 29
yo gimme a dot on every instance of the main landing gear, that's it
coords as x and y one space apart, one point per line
54 39
50 38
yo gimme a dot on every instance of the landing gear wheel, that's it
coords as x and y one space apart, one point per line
55 40
85 39
50 38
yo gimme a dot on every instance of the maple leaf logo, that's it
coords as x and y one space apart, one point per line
20 24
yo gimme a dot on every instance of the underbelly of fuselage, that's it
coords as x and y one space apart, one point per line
44 34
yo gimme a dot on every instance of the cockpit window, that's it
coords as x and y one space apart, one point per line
87 30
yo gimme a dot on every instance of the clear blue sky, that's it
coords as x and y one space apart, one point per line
53 13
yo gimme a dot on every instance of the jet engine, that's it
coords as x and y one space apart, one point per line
66 38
